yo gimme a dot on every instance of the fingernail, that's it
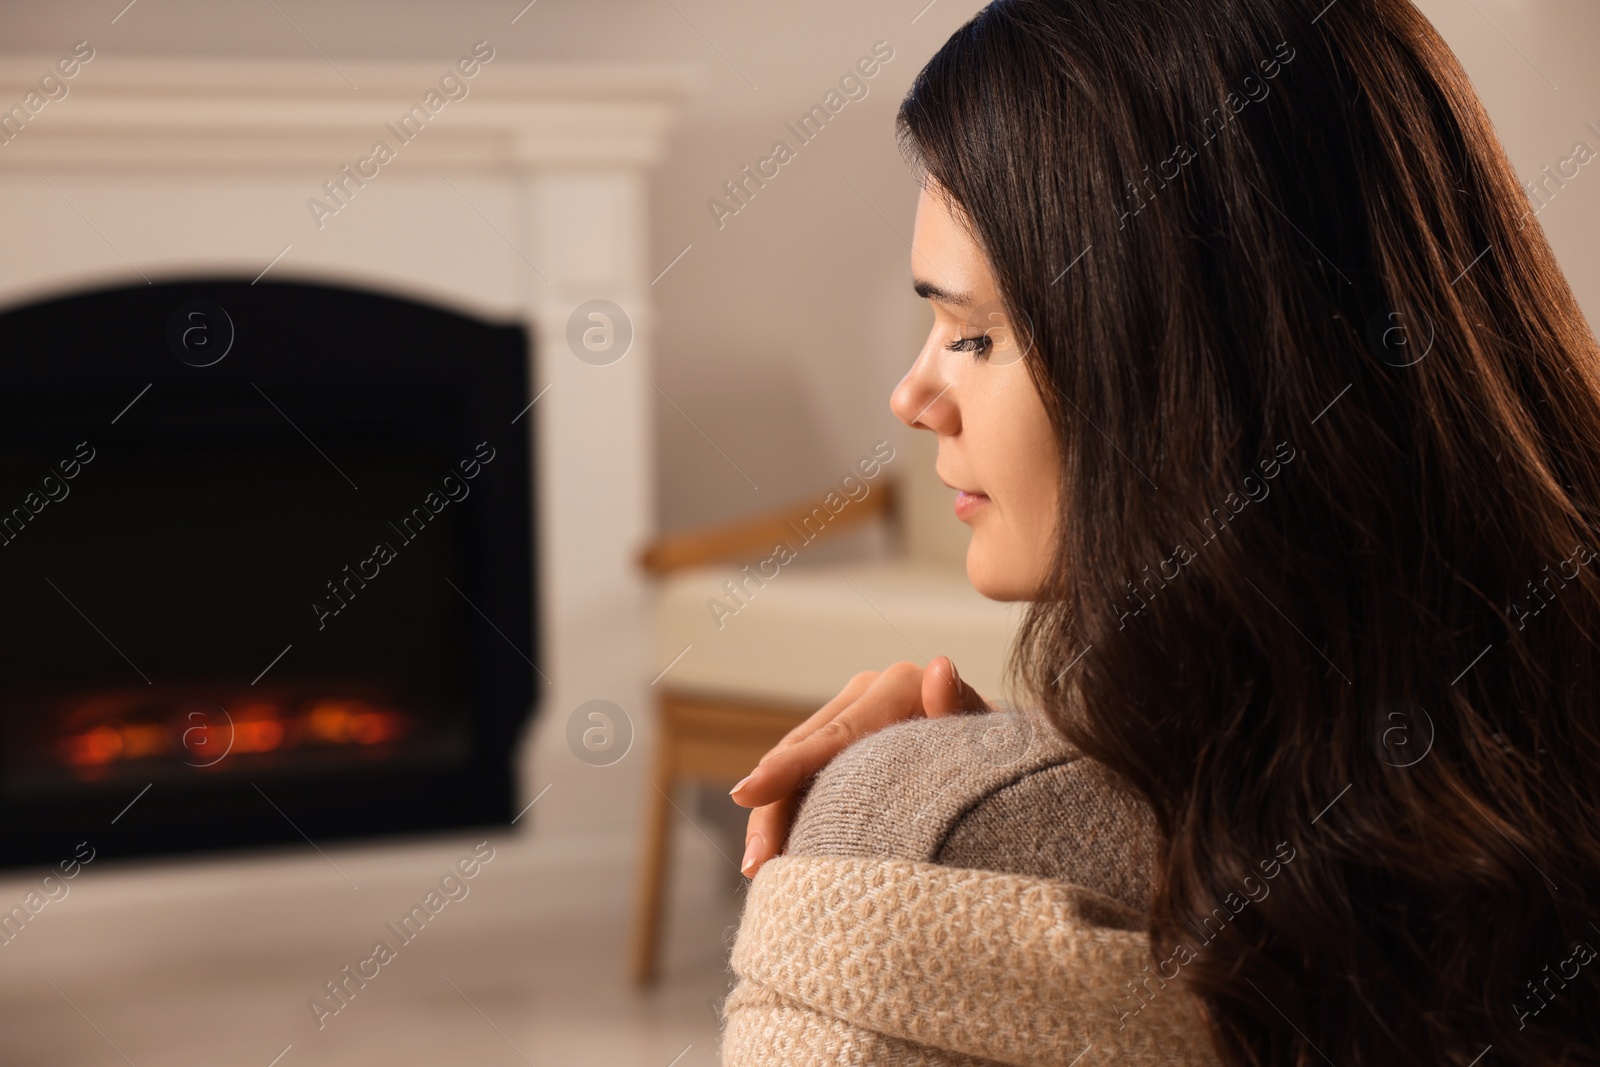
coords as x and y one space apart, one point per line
742 782
750 849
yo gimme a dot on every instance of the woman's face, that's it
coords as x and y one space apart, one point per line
996 446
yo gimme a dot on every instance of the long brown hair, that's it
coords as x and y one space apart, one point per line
1323 592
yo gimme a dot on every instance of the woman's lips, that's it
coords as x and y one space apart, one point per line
968 504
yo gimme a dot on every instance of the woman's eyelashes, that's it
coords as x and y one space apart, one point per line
978 345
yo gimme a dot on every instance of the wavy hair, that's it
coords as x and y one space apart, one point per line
1330 429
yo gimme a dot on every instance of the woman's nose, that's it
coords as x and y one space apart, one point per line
923 399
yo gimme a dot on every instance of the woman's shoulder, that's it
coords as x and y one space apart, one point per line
1000 791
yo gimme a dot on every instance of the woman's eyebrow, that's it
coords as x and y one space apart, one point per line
929 291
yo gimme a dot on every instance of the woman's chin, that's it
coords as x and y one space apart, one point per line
994 582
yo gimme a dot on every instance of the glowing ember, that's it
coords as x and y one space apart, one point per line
103 729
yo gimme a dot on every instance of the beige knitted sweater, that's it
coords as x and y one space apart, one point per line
962 891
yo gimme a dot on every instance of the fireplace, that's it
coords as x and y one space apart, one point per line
266 555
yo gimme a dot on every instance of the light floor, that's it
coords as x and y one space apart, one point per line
209 962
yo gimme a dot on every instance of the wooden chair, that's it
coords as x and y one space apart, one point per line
711 738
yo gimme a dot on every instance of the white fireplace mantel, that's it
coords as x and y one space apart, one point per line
254 116
518 202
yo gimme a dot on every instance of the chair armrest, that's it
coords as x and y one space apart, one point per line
757 535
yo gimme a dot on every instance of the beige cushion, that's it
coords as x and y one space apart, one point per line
799 637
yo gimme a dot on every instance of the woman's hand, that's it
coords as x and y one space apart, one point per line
868 702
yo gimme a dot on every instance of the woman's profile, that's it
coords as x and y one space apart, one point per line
1262 387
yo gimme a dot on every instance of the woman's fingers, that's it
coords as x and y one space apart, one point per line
944 693
868 702
765 833
895 694
825 714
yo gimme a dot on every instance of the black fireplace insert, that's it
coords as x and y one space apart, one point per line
266 568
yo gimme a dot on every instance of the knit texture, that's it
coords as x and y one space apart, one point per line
959 891
869 961
1000 792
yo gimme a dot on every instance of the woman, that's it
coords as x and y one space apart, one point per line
1259 385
